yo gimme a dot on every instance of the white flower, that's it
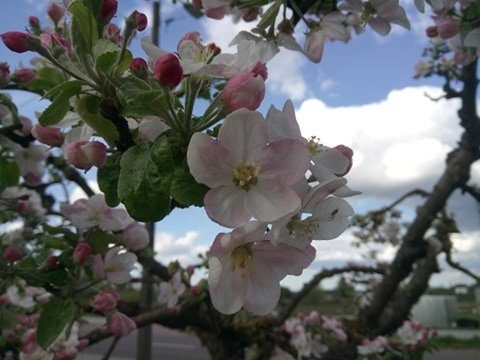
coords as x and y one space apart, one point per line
171 291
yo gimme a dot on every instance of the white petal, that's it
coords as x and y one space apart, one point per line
226 206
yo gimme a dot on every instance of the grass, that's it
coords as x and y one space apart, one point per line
449 342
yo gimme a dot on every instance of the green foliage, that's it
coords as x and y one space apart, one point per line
99 240
145 177
185 190
57 315
83 28
46 79
55 112
269 17
88 107
65 89
9 173
107 178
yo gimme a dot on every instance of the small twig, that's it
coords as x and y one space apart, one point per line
111 348
472 192
415 192
456 265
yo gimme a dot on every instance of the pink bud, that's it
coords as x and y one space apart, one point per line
52 260
34 22
197 4
217 13
244 90
55 12
314 46
108 9
138 19
432 31
49 135
106 301
23 76
214 48
135 236
260 69
195 290
250 15
168 71
26 125
192 36
139 67
12 254
85 154
448 27
17 41
3 299
113 32
66 354
120 324
313 318
82 252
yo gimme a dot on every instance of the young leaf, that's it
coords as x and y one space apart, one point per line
107 177
55 317
9 174
55 112
83 28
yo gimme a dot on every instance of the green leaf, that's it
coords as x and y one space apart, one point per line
55 112
46 78
185 190
9 174
99 240
55 317
268 18
107 178
103 46
144 183
65 89
83 27
88 109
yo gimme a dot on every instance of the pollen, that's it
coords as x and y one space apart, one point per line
245 174
241 256
314 145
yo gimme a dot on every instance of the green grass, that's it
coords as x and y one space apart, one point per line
449 342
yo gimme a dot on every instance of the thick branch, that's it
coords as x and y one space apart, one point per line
472 192
309 286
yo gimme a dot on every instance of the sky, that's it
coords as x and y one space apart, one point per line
362 94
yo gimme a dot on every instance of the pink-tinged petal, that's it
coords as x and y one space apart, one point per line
244 135
263 290
115 220
284 161
345 191
380 26
332 216
226 206
209 163
334 160
97 266
286 260
118 277
250 232
321 191
228 289
268 201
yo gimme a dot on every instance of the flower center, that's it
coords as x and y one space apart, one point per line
245 174
240 256
314 146
302 227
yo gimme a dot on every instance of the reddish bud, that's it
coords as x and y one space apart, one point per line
135 236
52 260
82 252
432 31
260 69
167 70
34 22
48 135
197 4
3 299
137 20
113 32
12 254
4 73
26 125
55 12
448 27
23 76
214 49
108 9
120 324
139 67
17 41
250 15
106 301
85 154
244 90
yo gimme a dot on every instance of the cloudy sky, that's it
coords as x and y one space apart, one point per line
362 95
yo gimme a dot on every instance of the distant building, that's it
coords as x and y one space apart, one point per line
461 289
436 311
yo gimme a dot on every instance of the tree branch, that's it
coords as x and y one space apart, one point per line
71 174
472 192
456 265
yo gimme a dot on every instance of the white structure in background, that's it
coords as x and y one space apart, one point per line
436 311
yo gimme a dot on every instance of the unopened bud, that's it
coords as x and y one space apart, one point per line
82 252
168 71
49 135
55 12
85 154
23 76
139 67
120 324
12 254
17 41
108 9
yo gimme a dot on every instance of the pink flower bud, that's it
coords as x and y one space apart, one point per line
17 41
55 12
12 254
314 46
244 90
190 270
137 20
23 76
52 260
217 13
168 71
432 31
195 290
260 69
82 252
4 73
197 4
192 36
66 354
49 135
108 9
113 32
120 324
85 154
106 301
250 15
34 22
3 299
26 125
448 27
214 48
313 318
135 236
139 67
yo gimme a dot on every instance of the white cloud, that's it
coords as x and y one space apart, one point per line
185 248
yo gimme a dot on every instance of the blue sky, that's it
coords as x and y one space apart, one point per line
362 94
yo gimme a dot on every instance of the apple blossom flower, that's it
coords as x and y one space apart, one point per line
120 324
151 127
24 296
116 266
85 154
372 347
412 333
48 135
334 326
247 175
31 162
86 214
170 291
106 301
135 236
279 354
17 41
26 202
245 269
